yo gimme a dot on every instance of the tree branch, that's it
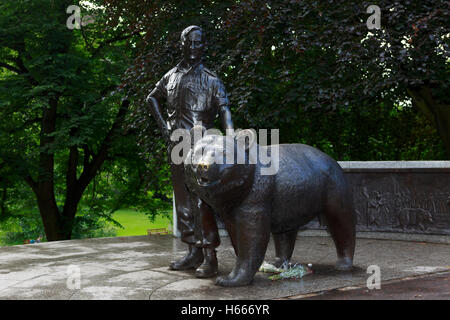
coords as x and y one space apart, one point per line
86 155
17 164
112 40
90 169
31 183
19 69
10 68
71 175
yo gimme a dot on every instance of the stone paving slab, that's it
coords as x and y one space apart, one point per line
435 286
136 268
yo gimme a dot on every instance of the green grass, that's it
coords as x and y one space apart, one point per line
136 223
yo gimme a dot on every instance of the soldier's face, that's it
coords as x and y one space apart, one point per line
193 46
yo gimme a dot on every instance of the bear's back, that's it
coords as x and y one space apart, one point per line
300 185
301 161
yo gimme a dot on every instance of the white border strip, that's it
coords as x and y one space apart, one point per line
395 166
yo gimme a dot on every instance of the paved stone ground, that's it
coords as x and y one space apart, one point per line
435 286
136 268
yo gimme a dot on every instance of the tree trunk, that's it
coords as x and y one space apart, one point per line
438 114
44 189
51 218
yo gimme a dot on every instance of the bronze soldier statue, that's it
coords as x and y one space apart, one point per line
193 95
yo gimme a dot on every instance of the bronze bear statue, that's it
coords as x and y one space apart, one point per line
307 184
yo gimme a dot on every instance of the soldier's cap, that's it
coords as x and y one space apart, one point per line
188 30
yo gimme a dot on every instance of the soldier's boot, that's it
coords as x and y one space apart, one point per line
209 266
192 260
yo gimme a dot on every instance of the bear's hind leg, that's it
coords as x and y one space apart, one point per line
284 247
341 223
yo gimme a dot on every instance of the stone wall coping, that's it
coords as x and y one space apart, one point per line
396 166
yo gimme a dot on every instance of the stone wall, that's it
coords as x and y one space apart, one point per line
399 196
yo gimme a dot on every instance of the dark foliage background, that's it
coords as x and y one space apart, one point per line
312 69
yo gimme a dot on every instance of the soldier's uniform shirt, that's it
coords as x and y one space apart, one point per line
193 95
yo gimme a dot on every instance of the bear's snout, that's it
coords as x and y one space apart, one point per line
205 173
202 170
203 167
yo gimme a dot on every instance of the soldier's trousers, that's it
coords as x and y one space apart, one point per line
195 219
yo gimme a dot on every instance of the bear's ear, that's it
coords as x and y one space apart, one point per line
196 133
246 137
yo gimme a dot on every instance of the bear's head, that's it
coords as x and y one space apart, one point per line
220 168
